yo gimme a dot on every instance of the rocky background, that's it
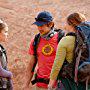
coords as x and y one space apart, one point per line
19 15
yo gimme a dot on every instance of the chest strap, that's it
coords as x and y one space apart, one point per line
41 80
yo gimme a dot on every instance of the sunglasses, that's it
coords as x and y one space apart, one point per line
41 19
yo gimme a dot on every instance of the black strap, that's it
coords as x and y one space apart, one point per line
61 33
3 51
41 80
35 45
71 34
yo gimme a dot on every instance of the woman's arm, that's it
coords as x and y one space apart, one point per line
5 73
59 59
64 51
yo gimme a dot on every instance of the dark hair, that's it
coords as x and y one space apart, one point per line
49 24
2 26
75 19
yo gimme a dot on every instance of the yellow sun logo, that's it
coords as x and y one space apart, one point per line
47 49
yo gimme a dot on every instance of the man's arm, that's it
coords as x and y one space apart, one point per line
29 73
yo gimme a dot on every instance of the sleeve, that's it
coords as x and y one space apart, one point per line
4 73
59 59
31 47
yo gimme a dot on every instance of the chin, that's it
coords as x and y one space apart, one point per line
42 33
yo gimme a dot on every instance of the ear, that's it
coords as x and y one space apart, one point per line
50 24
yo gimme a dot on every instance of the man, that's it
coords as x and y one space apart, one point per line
45 51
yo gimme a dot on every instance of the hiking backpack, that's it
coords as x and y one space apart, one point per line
74 71
85 28
5 83
35 44
83 73
79 68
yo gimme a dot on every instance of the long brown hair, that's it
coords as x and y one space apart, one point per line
75 19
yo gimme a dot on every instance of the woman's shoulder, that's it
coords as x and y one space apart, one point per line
67 40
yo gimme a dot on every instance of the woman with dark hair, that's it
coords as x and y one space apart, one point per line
65 55
4 73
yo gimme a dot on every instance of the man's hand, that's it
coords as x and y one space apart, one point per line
27 87
29 74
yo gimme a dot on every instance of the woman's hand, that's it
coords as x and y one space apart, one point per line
51 84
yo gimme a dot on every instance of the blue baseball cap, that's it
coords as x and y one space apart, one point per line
43 18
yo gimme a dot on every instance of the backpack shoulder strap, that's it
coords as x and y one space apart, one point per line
70 34
61 33
3 57
36 39
3 51
35 45
76 65
85 24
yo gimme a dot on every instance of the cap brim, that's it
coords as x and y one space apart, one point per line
38 23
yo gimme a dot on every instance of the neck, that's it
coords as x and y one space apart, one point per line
72 30
47 32
48 35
